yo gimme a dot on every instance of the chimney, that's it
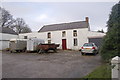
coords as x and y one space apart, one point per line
87 19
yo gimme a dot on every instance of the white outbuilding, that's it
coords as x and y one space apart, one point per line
69 35
5 35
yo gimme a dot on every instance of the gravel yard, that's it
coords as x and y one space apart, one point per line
63 64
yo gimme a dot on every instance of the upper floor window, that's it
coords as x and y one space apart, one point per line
49 35
63 34
25 37
74 33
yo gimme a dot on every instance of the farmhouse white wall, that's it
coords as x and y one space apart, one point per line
56 37
4 40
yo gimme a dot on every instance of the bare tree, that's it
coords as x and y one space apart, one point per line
6 19
26 30
21 26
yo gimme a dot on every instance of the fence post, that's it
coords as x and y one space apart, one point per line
115 63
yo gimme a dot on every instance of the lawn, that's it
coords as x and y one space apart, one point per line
102 72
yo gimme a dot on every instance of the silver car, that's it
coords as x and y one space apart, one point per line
89 48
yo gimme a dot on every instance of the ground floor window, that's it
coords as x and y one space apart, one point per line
49 41
75 42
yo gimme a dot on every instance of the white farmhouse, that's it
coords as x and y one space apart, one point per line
69 35
5 35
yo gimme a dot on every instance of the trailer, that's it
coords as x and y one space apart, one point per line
32 44
17 45
43 48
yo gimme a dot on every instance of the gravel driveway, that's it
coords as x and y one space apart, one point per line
64 64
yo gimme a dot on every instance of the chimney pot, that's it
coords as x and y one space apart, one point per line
87 19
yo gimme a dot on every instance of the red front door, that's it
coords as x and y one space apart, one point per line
64 44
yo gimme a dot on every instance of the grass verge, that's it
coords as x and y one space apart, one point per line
102 72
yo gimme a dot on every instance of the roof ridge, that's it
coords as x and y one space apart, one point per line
63 23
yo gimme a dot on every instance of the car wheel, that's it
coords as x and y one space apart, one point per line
82 53
40 51
11 51
94 53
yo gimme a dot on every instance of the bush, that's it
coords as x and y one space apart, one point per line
111 45
111 42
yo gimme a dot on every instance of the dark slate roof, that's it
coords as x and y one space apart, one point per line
7 31
64 26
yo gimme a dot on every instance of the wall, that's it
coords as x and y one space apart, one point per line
8 36
115 63
4 40
0 65
56 37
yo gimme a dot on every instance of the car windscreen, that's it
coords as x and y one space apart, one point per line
88 44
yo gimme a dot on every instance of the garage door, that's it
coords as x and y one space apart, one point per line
97 41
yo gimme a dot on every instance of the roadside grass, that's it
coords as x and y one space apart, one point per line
102 72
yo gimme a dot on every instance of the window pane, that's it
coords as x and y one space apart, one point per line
88 44
75 42
25 37
75 30
49 41
63 34
74 33
49 35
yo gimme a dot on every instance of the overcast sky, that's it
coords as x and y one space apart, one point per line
37 14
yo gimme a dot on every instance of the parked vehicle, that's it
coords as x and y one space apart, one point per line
32 44
46 47
89 48
18 45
